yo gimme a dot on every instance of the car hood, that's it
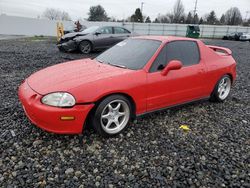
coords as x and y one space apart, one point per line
66 76
74 34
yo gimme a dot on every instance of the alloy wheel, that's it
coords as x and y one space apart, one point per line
85 47
115 116
224 88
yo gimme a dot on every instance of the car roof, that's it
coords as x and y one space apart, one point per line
164 38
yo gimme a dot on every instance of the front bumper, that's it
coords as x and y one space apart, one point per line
67 46
49 118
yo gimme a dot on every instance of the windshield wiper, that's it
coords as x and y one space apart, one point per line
100 61
116 65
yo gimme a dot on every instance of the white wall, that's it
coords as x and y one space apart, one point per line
210 31
12 25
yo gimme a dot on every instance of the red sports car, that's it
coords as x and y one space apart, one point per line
136 76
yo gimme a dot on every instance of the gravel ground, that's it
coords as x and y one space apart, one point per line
152 152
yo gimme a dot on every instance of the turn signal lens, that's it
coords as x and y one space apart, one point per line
67 118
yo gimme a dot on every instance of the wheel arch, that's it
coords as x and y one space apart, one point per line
231 77
91 112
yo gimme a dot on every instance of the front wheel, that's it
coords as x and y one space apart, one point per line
112 116
85 47
222 89
61 49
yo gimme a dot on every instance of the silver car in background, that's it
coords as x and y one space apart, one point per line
93 38
245 37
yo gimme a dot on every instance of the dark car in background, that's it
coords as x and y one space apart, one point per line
233 36
93 38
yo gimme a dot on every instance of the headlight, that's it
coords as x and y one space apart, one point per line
59 99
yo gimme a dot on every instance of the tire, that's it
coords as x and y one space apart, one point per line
112 116
61 49
85 47
222 89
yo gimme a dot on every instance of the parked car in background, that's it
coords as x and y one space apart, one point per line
233 36
245 37
93 38
137 76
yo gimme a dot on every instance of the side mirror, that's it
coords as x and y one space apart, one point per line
97 33
172 65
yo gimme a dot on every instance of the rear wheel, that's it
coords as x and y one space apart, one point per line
85 47
112 116
222 89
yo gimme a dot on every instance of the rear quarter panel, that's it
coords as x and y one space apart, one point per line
217 65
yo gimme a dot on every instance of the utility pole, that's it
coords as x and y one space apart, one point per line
195 7
247 15
195 10
142 3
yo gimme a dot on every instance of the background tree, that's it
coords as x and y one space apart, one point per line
137 16
189 18
246 22
148 20
97 13
55 14
178 12
196 19
222 19
163 18
211 18
201 21
156 20
65 16
112 19
233 16
169 18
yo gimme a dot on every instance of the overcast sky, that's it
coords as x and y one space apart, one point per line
119 9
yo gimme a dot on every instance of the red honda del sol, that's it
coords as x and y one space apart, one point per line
136 76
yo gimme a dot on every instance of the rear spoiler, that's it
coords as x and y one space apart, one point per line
220 49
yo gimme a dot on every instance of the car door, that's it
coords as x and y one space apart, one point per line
178 86
103 38
120 34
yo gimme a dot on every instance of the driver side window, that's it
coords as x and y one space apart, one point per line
186 51
160 61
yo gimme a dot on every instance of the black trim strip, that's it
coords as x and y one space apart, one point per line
85 103
173 106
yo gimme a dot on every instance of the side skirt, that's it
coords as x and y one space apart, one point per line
173 106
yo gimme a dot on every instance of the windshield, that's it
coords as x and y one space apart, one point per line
70 27
90 29
131 53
